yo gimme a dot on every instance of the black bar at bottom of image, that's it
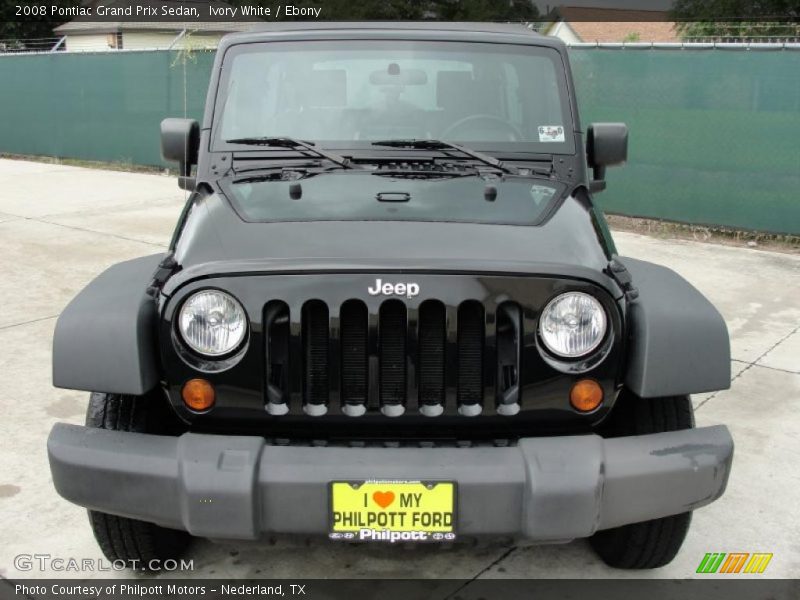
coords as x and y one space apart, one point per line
402 589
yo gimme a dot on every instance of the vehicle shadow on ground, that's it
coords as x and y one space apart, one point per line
294 557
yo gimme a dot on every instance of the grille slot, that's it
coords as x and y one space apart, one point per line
509 334
470 357
315 357
392 349
354 324
276 323
432 348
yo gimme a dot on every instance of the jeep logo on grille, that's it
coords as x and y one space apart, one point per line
409 290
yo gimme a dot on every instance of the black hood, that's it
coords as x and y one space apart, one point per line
214 240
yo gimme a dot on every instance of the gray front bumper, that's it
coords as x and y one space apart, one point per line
238 487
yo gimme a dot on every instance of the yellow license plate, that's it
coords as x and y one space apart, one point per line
393 511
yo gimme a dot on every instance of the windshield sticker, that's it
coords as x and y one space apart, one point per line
541 193
551 133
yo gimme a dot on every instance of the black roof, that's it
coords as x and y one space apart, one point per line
399 25
514 33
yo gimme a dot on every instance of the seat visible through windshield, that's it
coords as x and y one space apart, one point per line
374 90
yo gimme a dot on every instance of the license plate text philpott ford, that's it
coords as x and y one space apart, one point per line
393 511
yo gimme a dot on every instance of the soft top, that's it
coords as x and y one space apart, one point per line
517 33
399 25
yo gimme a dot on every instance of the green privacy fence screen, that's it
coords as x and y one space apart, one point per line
98 106
715 133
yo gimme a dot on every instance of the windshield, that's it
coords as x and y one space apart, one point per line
363 196
344 94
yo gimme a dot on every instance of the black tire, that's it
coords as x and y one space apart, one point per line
141 545
654 543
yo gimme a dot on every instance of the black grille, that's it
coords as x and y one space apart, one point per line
392 358
277 320
315 353
392 336
354 352
432 339
470 354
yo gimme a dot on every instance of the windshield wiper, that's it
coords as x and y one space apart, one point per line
285 142
440 145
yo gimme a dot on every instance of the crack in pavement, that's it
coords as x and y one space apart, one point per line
2 327
751 365
744 362
494 563
87 230
28 173
127 206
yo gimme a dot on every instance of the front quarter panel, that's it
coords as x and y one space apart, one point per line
104 340
679 341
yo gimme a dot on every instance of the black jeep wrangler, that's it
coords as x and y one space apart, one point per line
391 311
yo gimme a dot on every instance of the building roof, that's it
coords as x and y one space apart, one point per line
615 25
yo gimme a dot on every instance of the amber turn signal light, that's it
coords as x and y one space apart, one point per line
198 394
586 395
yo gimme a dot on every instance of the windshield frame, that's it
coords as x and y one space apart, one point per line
570 147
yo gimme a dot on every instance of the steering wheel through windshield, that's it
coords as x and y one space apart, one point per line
457 129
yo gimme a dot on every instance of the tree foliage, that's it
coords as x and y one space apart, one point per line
414 10
485 10
736 18
16 28
13 27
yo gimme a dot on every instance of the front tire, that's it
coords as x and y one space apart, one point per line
141 545
650 544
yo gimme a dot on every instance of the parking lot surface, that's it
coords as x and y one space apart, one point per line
60 226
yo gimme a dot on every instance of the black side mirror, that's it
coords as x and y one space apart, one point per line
606 146
180 142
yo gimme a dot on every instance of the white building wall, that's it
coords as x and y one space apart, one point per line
94 42
144 40
139 40
199 40
564 32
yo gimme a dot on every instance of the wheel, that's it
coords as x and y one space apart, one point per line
138 543
654 543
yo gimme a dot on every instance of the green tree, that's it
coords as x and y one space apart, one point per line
736 18
414 10
485 10
13 27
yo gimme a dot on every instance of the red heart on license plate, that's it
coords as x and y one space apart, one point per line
383 499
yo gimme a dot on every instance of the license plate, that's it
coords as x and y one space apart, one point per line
393 511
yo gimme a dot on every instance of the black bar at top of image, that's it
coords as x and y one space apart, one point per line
401 589
187 12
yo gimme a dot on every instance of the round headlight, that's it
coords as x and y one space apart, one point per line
572 324
212 323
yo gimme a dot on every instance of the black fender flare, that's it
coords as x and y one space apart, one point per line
105 339
678 340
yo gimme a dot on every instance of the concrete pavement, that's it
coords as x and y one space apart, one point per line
60 226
